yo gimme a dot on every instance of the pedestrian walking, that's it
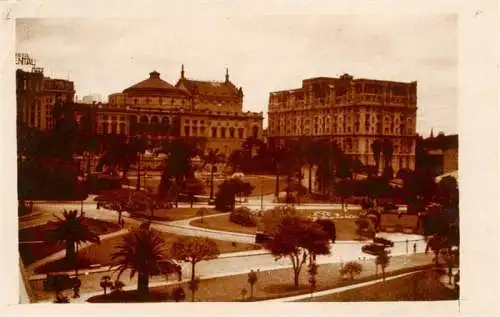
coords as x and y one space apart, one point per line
414 248
98 206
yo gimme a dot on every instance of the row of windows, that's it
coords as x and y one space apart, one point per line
335 129
113 128
215 132
357 119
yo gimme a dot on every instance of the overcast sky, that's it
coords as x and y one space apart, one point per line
263 53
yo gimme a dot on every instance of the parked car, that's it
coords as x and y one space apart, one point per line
261 237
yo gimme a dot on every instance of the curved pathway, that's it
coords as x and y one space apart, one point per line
227 264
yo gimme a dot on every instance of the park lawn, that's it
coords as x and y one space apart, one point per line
100 254
266 183
420 286
172 214
346 228
32 245
276 283
222 223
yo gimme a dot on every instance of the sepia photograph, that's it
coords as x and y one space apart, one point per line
223 153
243 159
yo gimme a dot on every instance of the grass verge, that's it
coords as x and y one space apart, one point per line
32 245
346 228
420 286
100 254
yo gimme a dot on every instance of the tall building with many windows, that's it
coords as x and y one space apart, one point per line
158 110
36 97
352 112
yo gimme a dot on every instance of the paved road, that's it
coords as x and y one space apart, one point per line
229 264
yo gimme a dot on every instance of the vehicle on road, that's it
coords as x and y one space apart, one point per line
262 237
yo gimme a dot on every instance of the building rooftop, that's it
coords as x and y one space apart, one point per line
154 84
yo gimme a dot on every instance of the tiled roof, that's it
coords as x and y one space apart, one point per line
154 84
209 88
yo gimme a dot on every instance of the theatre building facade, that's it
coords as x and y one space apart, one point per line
159 110
352 112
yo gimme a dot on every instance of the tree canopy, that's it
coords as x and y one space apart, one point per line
298 239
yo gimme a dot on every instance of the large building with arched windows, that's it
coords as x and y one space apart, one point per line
352 112
158 110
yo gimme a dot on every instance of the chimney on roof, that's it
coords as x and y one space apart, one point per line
182 71
154 74
227 75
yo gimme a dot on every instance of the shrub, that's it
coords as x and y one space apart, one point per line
243 216
351 268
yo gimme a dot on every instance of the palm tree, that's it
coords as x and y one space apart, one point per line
212 158
72 230
142 252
